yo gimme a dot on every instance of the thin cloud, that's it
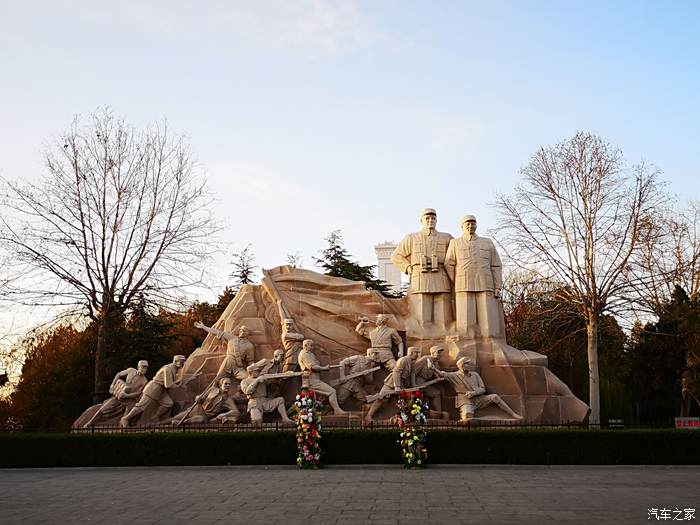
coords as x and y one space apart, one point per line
312 28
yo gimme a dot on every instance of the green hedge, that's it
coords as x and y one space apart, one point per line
607 447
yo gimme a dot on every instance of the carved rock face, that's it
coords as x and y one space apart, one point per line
327 309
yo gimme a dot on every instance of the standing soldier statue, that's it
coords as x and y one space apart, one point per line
383 338
291 340
421 255
274 366
402 376
240 352
362 367
474 266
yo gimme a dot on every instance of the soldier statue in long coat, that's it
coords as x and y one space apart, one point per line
473 264
421 255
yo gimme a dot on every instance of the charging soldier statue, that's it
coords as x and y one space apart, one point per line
126 388
156 393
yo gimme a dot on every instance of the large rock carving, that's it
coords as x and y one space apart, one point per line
330 315
328 309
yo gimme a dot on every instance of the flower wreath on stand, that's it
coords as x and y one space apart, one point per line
308 417
411 418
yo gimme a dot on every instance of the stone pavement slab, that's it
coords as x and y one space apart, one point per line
346 494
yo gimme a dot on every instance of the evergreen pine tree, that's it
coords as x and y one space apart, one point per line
243 268
337 262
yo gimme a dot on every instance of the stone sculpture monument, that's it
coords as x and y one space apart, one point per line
360 372
156 394
292 345
471 391
255 388
425 372
291 305
240 352
474 268
403 376
421 256
383 338
126 389
311 373
214 404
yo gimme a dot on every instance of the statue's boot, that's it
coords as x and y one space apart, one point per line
125 422
160 413
333 401
283 413
373 409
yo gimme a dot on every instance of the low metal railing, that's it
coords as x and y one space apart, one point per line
474 425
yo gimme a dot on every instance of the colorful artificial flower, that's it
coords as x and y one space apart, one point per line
308 417
411 409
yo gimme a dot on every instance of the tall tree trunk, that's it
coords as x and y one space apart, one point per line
106 324
593 375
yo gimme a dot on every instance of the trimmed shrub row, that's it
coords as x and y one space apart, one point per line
572 447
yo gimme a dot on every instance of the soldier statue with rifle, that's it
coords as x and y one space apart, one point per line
255 388
361 370
214 404
311 376
402 377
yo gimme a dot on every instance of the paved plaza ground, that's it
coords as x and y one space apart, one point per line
346 495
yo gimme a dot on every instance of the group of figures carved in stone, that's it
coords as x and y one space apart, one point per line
260 382
302 329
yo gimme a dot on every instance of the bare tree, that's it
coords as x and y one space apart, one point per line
669 257
119 214
243 268
576 220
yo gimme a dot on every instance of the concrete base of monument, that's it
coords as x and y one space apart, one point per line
491 422
350 419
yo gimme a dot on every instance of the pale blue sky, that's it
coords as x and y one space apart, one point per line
309 116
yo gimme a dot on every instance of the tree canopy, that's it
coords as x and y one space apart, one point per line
119 216
336 261
577 220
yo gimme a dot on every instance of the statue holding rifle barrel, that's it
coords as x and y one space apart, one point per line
214 404
360 370
311 376
402 377
254 386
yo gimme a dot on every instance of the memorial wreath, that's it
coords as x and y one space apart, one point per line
308 417
411 420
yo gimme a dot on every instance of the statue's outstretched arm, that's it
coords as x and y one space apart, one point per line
214 331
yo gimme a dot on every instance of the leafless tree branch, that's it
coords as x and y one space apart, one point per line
120 213
578 220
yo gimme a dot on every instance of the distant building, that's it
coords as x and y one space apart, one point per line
386 271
